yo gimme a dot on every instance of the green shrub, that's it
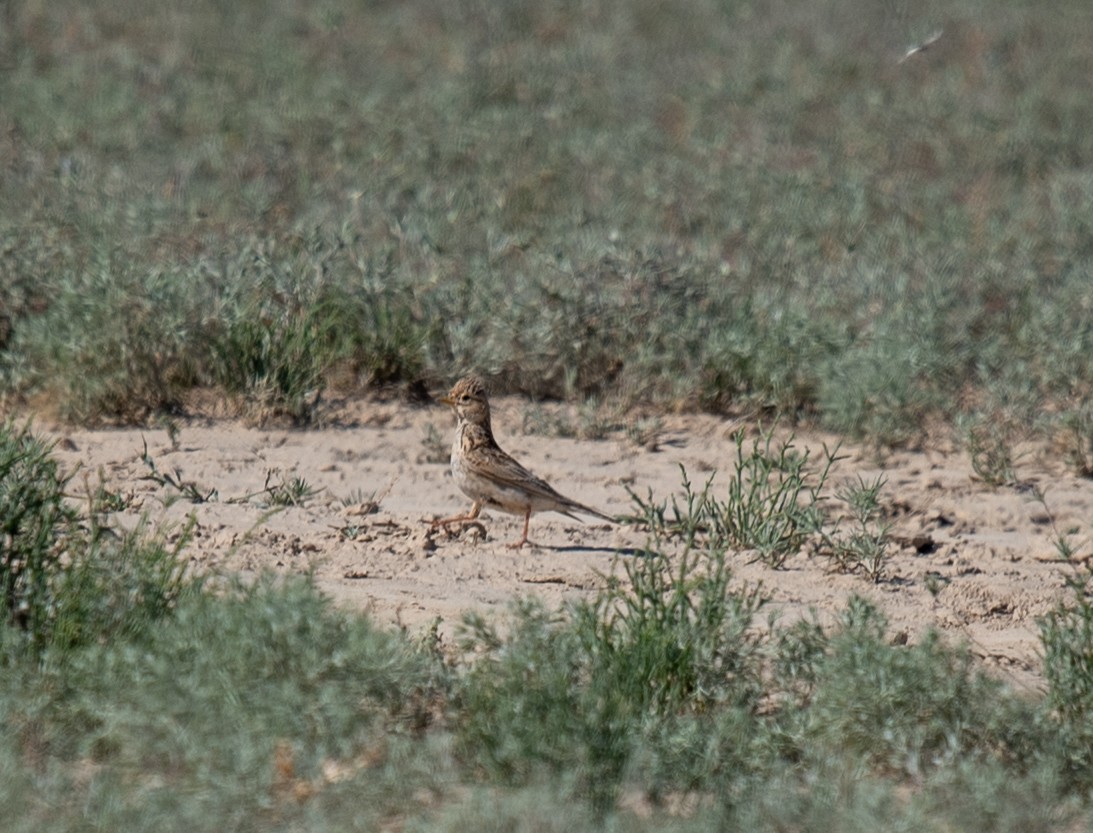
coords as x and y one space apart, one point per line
67 579
673 634
1066 634
34 525
907 709
115 342
314 311
646 662
271 358
259 707
526 706
118 584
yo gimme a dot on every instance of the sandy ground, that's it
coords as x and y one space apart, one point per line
987 552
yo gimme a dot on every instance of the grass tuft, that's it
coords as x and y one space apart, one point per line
772 505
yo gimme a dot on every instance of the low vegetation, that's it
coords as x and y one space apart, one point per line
136 696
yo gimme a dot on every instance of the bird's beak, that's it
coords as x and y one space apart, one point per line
447 400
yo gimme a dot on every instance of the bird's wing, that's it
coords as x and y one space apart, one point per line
494 464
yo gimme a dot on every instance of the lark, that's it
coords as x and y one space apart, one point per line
490 477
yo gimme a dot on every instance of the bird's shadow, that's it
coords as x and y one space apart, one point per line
632 551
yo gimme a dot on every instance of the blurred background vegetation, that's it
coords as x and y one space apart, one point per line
707 204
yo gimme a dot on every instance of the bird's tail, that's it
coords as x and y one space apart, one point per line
588 510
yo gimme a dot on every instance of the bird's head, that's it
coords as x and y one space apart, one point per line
468 399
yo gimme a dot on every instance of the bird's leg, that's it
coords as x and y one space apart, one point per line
476 507
515 545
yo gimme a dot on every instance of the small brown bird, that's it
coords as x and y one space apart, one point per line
489 476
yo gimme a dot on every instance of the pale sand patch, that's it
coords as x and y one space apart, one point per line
987 551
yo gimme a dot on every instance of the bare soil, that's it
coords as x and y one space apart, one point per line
977 562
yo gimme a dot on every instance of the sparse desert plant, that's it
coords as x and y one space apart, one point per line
537 420
674 632
174 481
590 423
367 324
770 357
645 432
879 388
113 342
1067 633
259 703
104 500
864 547
684 519
771 505
990 449
364 502
578 691
287 491
799 651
